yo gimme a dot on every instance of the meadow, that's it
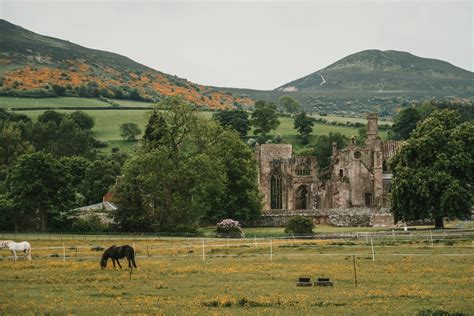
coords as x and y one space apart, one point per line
242 277
108 121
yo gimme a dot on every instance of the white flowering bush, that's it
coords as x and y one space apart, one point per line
229 228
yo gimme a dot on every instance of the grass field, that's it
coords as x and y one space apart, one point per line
233 277
107 122
12 103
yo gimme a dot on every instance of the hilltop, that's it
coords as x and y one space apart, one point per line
388 71
35 65
375 81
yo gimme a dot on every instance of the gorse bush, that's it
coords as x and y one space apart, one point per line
300 225
229 228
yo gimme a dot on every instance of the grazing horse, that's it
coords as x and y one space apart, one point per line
17 246
115 253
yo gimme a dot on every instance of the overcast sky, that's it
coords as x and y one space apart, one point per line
252 44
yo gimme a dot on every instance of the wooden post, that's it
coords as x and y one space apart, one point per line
355 271
64 253
76 251
147 252
203 252
255 239
271 250
366 238
431 238
373 252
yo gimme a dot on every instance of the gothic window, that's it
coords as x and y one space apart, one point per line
368 199
303 170
276 191
301 198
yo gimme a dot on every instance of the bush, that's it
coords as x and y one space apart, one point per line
90 222
300 225
229 228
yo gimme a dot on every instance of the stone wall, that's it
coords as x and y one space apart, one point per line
342 217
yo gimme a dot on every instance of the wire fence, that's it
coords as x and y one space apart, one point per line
428 243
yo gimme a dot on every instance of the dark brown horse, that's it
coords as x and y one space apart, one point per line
115 253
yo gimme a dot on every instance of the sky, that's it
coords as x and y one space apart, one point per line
252 44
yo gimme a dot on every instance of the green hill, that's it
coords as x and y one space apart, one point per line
388 71
39 66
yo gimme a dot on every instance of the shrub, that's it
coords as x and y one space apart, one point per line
300 225
229 228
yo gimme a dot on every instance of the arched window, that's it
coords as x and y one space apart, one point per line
303 170
301 198
276 191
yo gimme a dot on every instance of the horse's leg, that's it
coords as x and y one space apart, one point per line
14 255
119 263
133 261
113 262
129 263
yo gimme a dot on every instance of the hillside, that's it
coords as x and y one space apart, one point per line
374 81
388 71
37 65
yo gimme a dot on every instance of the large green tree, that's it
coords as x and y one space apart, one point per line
39 188
304 125
264 118
187 169
433 172
405 123
129 131
99 177
289 104
238 120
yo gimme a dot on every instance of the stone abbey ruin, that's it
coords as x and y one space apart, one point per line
357 193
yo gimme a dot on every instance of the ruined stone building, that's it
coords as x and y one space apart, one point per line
357 193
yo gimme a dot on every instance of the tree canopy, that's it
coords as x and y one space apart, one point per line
238 120
289 104
433 172
304 125
264 118
186 169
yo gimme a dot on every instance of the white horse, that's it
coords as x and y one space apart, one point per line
17 246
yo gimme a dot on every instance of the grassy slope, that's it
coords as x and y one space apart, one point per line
242 280
108 121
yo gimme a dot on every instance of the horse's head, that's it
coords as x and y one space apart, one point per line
103 263
4 243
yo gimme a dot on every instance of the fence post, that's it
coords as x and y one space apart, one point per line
203 252
147 252
355 271
431 238
64 253
271 250
366 238
255 238
373 252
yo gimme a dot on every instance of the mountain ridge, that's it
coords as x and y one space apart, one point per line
379 70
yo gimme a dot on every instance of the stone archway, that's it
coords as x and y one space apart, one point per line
301 198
